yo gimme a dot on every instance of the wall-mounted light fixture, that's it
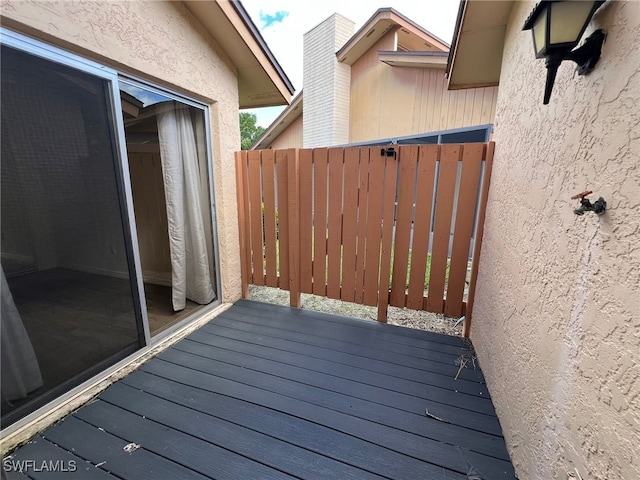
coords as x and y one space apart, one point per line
557 27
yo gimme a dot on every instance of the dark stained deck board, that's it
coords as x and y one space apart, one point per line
331 383
55 458
438 453
353 338
271 392
107 450
272 405
224 333
367 408
18 475
348 353
356 322
372 337
371 412
200 449
301 461
364 375
458 416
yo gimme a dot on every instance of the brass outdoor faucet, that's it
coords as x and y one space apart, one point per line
598 207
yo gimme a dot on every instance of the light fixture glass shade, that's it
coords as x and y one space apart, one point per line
540 34
568 21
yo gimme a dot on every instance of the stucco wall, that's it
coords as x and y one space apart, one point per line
556 322
163 43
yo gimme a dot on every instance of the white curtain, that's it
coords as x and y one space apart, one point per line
190 263
20 369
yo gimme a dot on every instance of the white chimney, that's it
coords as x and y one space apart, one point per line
326 84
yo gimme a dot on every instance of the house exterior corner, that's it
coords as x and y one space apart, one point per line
555 320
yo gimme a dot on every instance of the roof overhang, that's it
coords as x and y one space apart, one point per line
261 80
414 59
382 22
280 124
475 58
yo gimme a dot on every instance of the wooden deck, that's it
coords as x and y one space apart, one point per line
265 392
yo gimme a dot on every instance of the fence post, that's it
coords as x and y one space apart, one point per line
478 240
293 165
242 226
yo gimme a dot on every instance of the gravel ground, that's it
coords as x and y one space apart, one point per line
396 316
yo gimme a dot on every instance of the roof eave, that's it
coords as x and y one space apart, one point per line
261 80
475 59
381 22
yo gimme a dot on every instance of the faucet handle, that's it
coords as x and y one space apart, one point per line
581 195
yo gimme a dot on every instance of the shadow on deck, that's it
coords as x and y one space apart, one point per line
265 392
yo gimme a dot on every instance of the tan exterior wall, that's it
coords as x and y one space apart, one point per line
291 137
366 90
391 101
556 322
163 43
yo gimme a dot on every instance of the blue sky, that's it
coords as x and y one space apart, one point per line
282 23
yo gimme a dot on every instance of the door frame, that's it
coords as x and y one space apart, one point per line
154 88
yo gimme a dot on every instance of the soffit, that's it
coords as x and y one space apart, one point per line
261 80
476 57
414 59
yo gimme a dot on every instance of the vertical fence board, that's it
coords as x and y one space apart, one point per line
374 230
391 176
450 154
334 238
293 166
255 199
361 233
306 216
478 238
407 157
349 229
243 217
320 221
268 185
468 192
283 217
427 158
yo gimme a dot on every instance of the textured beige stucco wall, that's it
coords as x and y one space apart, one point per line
556 319
162 43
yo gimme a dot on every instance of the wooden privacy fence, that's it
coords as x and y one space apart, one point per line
375 226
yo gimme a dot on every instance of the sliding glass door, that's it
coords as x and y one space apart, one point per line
168 166
68 297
